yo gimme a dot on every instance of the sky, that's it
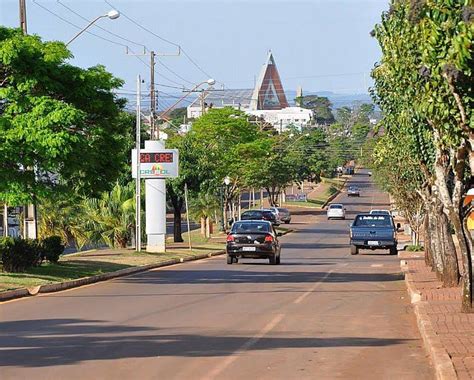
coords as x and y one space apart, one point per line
322 45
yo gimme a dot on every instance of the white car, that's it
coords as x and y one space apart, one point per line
336 211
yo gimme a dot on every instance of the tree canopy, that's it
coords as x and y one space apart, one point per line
60 125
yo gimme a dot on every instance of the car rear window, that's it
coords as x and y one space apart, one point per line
335 206
268 214
372 221
246 227
252 214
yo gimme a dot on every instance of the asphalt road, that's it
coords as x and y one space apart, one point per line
321 314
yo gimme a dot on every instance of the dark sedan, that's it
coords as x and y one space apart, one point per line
260 215
255 239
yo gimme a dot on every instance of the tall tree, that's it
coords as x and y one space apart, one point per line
321 106
60 126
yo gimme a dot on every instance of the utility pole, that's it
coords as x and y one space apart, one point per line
23 24
138 229
155 133
154 130
203 107
30 220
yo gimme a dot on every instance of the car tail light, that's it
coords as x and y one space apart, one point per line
230 238
268 239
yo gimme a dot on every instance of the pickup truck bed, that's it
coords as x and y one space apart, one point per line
373 231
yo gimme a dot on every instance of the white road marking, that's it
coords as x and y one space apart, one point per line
312 289
248 344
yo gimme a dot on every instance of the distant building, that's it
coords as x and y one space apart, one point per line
266 100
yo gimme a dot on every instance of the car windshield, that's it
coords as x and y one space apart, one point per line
335 206
267 214
246 227
372 221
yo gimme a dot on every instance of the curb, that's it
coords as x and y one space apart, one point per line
50 288
444 368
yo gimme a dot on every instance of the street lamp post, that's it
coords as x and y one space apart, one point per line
223 189
112 14
209 82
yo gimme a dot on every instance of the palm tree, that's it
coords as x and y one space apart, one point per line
202 208
111 218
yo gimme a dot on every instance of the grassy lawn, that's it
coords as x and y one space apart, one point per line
95 262
327 188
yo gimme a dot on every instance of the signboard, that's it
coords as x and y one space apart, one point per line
156 164
296 197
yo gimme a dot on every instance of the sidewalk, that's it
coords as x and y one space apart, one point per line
448 334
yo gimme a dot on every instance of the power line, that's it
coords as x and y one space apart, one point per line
161 38
100 27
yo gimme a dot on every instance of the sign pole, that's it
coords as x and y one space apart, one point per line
138 229
187 215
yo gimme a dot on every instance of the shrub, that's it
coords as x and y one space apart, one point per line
52 248
415 248
19 254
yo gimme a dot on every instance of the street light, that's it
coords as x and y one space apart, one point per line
112 14
209 82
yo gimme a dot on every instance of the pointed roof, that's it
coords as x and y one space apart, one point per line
268 93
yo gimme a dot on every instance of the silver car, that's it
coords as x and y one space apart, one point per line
353 191
336 211
285 215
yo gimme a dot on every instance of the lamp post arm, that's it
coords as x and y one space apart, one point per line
163 114
83 30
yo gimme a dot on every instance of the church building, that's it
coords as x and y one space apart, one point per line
267 100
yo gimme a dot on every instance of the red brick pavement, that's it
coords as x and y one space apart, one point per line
442 308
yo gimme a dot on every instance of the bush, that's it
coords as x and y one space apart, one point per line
415 248
52 248
19 254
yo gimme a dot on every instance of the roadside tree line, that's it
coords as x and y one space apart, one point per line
425 158
66 138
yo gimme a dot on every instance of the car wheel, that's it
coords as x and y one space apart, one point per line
393 250
230 259
278 259
354 250
287 222
272 260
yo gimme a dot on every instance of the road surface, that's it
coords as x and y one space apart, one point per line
321 314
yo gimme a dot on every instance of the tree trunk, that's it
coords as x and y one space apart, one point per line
428 246
436 247
177 231
203 226
208 227
450 260
177 203
452 206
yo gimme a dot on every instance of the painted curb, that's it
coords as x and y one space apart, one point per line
51 288
444 368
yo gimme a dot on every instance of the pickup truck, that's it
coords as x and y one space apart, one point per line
373 231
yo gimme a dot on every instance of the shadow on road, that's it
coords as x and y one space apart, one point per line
235 276
69 341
